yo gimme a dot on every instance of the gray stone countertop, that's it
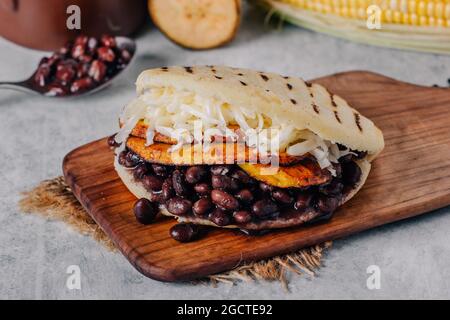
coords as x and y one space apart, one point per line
36 133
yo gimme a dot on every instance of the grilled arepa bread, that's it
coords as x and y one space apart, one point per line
323 147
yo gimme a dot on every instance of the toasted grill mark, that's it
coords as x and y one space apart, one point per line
289 86
217 77
164 69
293 101
309 85
286 77
188 69
316 108
336 115
357 121
333 102
240 74
243 83
264 77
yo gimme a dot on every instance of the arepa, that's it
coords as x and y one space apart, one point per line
324 147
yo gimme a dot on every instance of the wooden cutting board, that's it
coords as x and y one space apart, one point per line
410 177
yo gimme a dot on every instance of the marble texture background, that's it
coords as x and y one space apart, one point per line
36 133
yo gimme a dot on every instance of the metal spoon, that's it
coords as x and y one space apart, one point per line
29 85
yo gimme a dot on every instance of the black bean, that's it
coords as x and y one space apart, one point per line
224 200
245 196
122 159
140 171
361 154
265 187
202 206
92 44
108 41
77 51
351 173
327 204
105 54
346 158
97 71
41 77
333 188
155 196
242 176
179 183
338 168
160 170
195 174
125 55
202 189
56 90
112 142
219 217
242 216
282 196
81 40
264 208
184 232
152 183
167 189
220 170
131 159
178 206
224 182
145 211
81 85
303 201
65 72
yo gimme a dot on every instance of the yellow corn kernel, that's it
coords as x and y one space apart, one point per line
407 12
422 9
413 19
430 9
423 21
393 5
387 16
439 10
397 16
405 18
404 6
431 21
412 6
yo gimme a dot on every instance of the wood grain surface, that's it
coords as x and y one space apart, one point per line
410 177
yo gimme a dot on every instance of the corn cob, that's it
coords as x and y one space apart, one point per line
422 25
412 12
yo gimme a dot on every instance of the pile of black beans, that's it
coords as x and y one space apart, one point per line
80 65
225 194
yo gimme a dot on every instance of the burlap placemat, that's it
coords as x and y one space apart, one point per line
53 199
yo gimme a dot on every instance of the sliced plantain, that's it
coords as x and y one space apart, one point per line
307 173
217 153
197 24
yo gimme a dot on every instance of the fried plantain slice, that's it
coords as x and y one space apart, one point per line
217 153
304 174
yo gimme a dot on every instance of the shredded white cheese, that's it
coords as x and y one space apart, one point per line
177 114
